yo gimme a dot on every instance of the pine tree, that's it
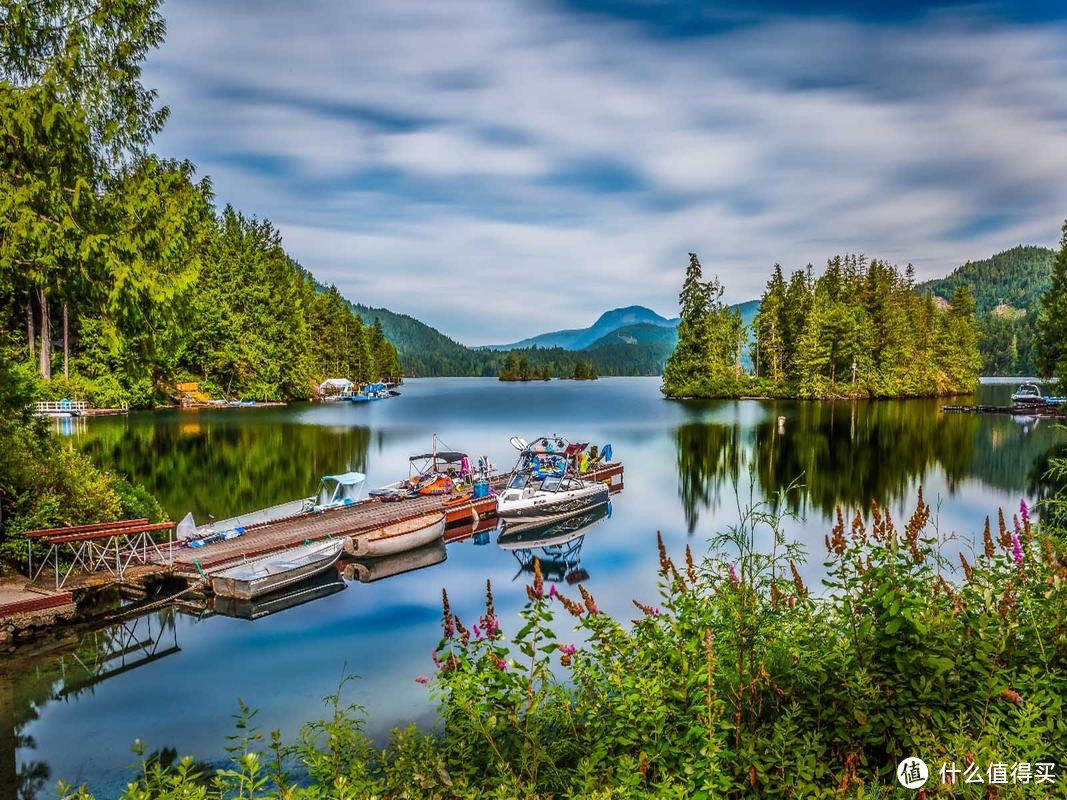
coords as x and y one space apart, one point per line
770 353
1050 345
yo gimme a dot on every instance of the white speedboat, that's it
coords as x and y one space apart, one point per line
1028 394
544 484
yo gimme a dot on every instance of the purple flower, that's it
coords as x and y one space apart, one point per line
436 660
568 649
422 679
501 664
733 576
552 590
1024 511
1017 550
491 626
477 631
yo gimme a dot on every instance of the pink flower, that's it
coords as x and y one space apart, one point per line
491 626
552 590
501 664
477 631
436 660
733 576
1017 551
1024 511
422 679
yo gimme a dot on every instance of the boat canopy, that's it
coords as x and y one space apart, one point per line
447 456
347 478
339 384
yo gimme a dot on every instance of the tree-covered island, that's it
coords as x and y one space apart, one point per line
858 330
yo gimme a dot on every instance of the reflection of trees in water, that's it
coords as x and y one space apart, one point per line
847 453
709 456
225 466
1043 483
69 669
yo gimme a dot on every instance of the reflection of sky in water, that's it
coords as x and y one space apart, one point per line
219 461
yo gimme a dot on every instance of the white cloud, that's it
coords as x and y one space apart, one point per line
501 168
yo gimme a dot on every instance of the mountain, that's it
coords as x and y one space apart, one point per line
640 333
1015 278
424 350
1007 289
582 338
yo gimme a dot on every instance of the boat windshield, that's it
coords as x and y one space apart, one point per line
551 485
518 481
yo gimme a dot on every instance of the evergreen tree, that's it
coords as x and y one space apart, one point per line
1050 344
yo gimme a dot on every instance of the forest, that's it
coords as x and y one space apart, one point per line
1007 289
860 329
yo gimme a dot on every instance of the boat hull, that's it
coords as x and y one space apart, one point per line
398 537
270 573
376 569
546 506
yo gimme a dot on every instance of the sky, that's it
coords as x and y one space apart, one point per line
499 168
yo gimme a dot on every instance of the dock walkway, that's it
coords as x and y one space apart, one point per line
353 521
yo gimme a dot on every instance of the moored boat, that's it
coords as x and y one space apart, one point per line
398 537
376 569
545 484
275 571
1028 394
313 588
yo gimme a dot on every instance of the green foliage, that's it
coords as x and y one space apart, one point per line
1051 344
1007 290
739 681
858 330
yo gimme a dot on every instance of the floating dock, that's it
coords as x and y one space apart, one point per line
1043 410
353 521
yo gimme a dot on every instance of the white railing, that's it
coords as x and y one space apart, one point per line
60 407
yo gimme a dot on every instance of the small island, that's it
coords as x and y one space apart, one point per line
519 369
859 330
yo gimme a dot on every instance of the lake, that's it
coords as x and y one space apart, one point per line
173 678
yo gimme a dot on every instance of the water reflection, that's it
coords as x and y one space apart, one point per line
557 545
68 670
225 462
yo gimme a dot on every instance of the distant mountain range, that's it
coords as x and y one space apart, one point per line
582 338
637 340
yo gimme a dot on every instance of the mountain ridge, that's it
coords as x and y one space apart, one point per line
583 338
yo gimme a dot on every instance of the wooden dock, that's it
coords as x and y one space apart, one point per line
353 521
1044 410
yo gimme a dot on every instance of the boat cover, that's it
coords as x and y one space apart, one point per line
347 478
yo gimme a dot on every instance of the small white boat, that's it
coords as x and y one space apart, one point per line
275 571
398 537
376 569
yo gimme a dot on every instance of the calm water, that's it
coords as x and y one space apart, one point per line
74 713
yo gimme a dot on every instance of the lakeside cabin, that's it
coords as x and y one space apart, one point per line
335 388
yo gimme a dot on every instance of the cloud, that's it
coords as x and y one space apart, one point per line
498 168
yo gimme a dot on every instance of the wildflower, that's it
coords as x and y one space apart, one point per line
798 582
733 576
574 608
501 664
1017 551
590 603
988 537
650 611
447 619
1024 512
436 660
477 631
569 649
491 626
967 571
690 569
838 543
539 581
1002 528
465 635
422 679
489 611
552 590
1012 696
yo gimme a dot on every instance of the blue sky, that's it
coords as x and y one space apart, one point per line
499 168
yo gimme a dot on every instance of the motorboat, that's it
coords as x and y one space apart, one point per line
1028 394
398 537
273 572
335 491
545 483
439 472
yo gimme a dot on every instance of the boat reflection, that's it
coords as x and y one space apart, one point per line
375 569
322 585
557 544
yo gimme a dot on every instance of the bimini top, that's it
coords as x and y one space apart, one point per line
448 456
347 478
